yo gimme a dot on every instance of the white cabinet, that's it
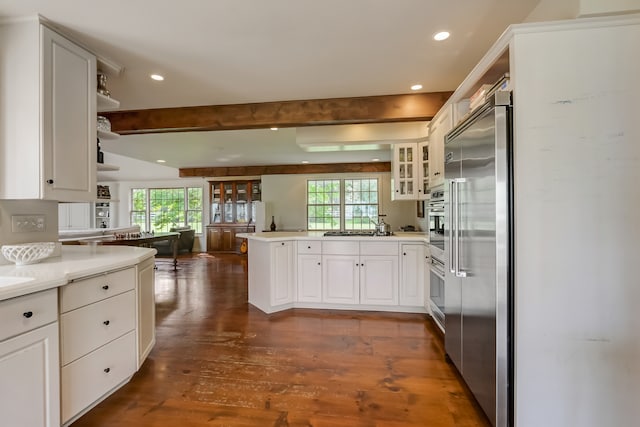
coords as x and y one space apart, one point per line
146 300
360 272
98 339
29 365
74 216
49 136
423 170
282 274
438 128
404 180
412 275
309 268
426 272
341 279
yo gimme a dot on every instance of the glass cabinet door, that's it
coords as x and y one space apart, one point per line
242 215
229 201
216 203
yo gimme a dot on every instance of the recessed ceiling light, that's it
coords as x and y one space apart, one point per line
442 35
375 160
304 162
274 128
157 77
416 87
161 161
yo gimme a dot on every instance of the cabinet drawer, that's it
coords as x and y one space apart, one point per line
309 247
340 248
92 326
92 376
22 314
87 291
379 248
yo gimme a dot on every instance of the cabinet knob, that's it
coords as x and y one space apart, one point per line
106 322
308 247
282 243
49 181
404 253
107 370
105 287
27 314
357 265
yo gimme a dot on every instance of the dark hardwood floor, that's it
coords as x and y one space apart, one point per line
219 361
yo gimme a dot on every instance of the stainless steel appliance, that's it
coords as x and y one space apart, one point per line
478 248
436 222
436 291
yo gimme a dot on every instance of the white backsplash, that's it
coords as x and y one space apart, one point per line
48 209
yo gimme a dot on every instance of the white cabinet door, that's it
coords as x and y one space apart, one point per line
437 131
74 216
426 272
146 300
412 275
379 280
30 372
49 87
282 291
69 124
310 278
405 172
341 279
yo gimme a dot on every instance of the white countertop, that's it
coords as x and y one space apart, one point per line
319 235
75 262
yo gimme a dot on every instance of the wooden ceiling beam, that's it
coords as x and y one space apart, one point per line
335 111
219 172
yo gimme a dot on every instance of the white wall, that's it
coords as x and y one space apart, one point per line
285 199
549 10
606 7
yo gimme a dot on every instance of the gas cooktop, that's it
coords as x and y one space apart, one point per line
349 233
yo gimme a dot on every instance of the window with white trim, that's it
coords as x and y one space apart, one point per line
342 204
160 209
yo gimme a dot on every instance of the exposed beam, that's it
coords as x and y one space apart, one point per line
218 172
335 111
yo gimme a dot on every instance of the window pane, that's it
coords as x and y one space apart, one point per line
361 204
323 204
166 208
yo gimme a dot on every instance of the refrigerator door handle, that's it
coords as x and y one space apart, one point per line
452 185
457 231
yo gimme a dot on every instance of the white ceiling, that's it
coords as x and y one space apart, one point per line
214 52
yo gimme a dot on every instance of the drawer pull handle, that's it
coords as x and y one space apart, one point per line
105 287
28 314
107 370
106 322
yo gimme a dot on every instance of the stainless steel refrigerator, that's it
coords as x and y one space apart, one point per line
478 217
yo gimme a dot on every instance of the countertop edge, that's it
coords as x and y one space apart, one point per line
318 235
76 262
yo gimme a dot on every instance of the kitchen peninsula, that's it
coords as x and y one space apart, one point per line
310 270
75 328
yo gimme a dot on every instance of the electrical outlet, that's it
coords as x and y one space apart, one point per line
27 223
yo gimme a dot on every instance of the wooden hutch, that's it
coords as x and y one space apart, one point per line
232 212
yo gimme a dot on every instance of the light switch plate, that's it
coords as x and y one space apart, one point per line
27 223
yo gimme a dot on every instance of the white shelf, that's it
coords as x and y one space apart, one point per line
106 103
103 134
105 167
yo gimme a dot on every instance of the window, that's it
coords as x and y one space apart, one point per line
349 204
160 209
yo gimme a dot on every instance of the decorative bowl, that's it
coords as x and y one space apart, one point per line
28 253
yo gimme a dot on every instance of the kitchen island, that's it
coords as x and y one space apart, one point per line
73 329
310 270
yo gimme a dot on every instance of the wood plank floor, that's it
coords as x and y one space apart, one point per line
219 361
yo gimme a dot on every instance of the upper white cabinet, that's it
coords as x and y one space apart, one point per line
48 135
438 128
405 171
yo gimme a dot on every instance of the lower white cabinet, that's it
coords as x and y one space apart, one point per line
271 274
412 275
341 279
29 367
74 216
309 278
379 280
99 348
282 274
146 300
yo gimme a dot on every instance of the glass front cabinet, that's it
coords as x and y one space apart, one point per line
232 211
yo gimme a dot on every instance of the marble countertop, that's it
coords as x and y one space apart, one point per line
75 262
319 235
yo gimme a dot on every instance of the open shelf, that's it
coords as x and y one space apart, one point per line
105 103
105 167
